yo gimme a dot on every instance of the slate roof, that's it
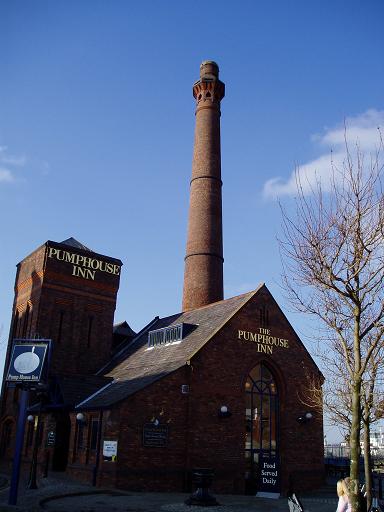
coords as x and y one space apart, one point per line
74 388
75 243
123 329
122 335
139 366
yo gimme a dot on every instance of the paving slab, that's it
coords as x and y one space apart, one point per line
58 493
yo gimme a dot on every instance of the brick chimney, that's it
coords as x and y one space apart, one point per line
203 274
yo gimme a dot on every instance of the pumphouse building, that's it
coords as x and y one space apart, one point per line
220 384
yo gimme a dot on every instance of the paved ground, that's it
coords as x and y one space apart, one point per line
58 493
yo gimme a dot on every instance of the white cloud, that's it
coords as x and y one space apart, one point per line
7 164
6 175
17 161
362 129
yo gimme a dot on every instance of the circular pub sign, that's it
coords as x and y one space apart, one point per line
27 362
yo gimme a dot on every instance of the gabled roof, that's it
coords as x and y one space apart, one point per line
139 366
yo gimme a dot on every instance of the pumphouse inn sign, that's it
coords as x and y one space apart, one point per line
84 266
27 362
265 341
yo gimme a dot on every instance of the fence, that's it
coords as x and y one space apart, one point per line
337 462
337 451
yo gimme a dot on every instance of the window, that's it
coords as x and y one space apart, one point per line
261 418
29 442
16 395
264 316
26 318
90 322
165 336
61 318
80 436
40 432
94 434
15 324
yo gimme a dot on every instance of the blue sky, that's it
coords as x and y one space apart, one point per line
97 120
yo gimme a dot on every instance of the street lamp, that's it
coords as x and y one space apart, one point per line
32 484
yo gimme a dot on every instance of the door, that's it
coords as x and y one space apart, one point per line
63 430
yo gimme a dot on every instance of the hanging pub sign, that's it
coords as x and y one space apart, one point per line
154 435
27 362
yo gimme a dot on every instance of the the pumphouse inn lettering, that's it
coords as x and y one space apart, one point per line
265 342
84 266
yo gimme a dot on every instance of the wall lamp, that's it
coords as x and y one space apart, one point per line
155 421
80 417
30 418
224 412
304 418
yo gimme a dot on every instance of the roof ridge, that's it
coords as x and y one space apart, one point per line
211 304
75 243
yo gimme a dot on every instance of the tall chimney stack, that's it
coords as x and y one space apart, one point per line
203 274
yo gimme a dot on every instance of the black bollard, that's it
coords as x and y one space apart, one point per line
202 478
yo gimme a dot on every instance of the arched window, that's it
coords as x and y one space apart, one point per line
261 419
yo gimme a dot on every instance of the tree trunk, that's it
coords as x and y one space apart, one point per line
355 446
367 463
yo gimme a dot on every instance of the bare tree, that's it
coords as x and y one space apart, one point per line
335 397
333 256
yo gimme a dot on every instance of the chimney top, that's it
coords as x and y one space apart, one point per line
209 69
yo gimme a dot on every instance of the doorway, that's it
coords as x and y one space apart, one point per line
261 432
60 453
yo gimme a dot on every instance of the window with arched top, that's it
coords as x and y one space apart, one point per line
261 418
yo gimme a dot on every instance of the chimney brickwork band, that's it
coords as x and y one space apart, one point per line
203 275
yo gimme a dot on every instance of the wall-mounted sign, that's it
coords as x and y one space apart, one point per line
155 435
110 450
84 266
265 341
27 362
51 438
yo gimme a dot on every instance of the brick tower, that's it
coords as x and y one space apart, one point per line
66 292
203 274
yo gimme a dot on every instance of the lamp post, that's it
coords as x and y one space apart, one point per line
12 500
32 484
